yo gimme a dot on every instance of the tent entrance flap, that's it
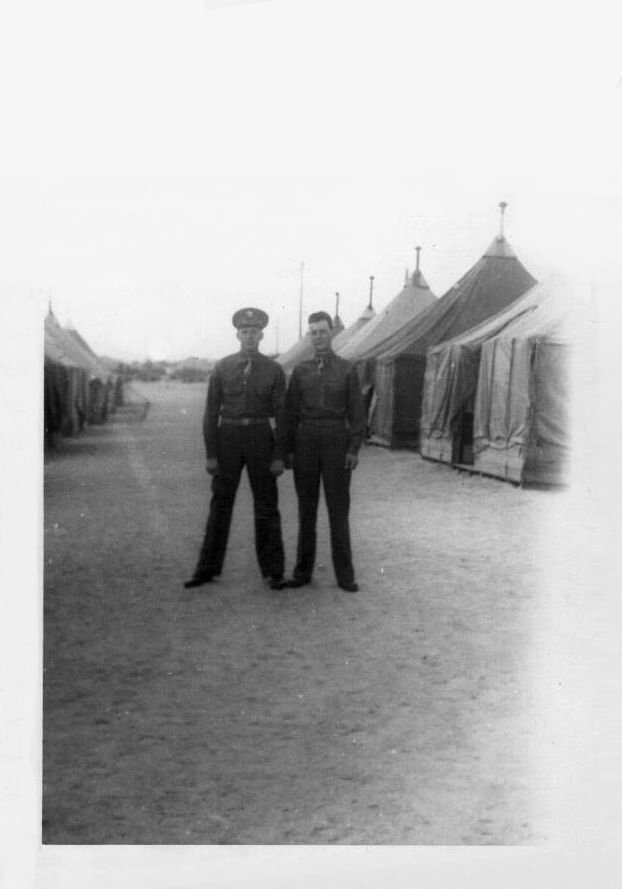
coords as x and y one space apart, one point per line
463 449
448 399
408 392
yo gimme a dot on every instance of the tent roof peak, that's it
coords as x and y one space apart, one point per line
500 248
419 281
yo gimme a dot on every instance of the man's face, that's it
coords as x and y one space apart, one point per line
249 338
321 335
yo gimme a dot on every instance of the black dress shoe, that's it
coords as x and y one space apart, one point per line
275 583
198 580
349 587
294 582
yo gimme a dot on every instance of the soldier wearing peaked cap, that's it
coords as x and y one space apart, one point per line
250 318
245 391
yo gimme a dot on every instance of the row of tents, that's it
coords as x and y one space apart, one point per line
78 388
477 378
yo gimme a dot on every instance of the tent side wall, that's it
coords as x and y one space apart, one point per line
55 403
435 442
78 401
521 411
396 405
61 348
408 391
501 410
548 453
381 411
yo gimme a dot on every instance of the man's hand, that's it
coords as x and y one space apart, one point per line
289 461
211 466
277 467
351 461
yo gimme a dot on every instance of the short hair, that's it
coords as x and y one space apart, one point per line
315 317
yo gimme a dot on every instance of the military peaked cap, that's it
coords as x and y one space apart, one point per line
250 318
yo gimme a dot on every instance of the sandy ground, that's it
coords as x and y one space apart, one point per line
405 714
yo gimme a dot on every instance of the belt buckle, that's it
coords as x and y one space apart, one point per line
246 421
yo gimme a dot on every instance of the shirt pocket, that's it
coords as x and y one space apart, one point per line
334 394
263 388
310 390
233 387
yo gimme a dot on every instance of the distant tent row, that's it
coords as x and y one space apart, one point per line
413 298
78 389
349 333
478 377
389 348
369 328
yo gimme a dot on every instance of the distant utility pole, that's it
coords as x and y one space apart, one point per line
302 272
337 304
371 291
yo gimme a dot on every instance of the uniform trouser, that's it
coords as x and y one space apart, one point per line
239 446
320 453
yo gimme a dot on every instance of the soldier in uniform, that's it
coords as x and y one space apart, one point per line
245 391
325 429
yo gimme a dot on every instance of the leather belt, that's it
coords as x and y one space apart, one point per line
244 421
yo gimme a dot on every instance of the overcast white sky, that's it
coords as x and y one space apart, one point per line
188 156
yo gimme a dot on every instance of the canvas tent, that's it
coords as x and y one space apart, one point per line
495 281
452 370
414 297
349 333
73 380
101 380
521 427
65 382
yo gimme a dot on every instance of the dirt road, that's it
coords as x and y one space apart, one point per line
404 714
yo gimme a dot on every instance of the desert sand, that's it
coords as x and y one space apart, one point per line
405 714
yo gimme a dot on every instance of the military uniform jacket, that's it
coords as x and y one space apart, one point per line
327 392
237 391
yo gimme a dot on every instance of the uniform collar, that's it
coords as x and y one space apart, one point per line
325 356
245 357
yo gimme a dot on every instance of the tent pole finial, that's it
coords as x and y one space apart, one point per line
336 303
371 291
418 249
502 207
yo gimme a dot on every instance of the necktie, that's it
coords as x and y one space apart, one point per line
247 369
320 364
